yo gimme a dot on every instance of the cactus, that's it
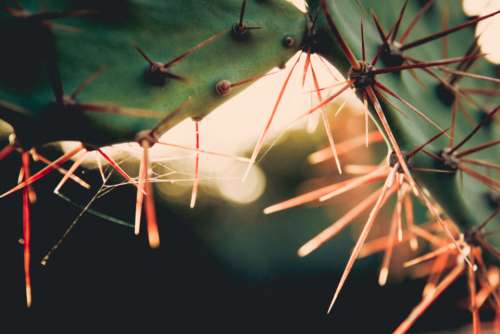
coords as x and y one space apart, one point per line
129 70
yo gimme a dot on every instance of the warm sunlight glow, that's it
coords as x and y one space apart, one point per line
488 29
300 4
243 194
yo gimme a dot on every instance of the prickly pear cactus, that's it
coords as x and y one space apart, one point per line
119 71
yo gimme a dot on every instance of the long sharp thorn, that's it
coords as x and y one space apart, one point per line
386 262
141 192
6 151
86 82
363 47
480 177
470 75
37 156
70 172
446 32
484 121
481 91
26 231
367 119
345 147
409 105
195 48
308 197
395 30
151 219
415 20
439 265
343 45
326 101
144 55
59 15
454 109
481 163
242 13
410 221
428 300
260 141
478 148
390 135
471 283
376 175
429 256
382 36
339 225
42 173
116 167
422 65
359 243
428 142
196 166
168 121
326 123
306 67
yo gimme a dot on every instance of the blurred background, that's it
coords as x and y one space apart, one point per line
224 265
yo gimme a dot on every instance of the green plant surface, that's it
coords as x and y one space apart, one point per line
104 37
464 199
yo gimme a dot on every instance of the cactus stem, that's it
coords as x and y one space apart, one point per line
26 229
165 123
45 171
223 87
157 72
196 181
